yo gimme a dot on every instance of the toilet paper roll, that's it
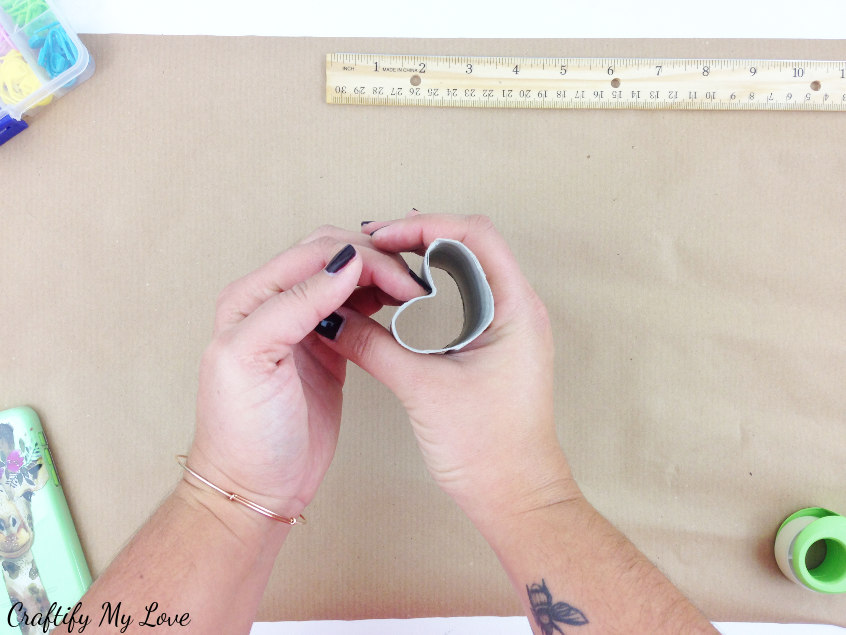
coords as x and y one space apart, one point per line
821 532
462 265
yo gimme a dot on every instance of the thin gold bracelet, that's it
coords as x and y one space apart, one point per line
246 502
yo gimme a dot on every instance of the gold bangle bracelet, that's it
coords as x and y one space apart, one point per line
237 498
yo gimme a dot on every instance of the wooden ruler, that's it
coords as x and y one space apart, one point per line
566 83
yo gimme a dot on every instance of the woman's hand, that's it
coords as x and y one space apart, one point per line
269 401
268 412
483 416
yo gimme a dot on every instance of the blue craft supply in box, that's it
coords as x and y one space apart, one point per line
41 58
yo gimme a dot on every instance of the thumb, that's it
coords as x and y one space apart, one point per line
286 318
370 346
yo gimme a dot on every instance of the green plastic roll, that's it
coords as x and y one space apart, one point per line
810 549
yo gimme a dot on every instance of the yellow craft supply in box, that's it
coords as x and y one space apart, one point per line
17 79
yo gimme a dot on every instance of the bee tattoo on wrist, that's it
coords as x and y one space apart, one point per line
549 616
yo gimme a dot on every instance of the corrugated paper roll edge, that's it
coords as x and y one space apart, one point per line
476 297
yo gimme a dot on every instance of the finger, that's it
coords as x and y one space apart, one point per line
340 234
370 227
387 271
285 319
369 300
371 346
345 236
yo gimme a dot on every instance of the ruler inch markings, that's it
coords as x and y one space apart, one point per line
576 82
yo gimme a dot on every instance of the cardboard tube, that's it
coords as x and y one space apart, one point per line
476 297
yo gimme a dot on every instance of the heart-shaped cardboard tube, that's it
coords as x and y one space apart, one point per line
476 297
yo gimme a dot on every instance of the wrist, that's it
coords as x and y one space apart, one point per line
244 525
209 491
513 493
250 483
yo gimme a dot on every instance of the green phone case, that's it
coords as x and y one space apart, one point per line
42 560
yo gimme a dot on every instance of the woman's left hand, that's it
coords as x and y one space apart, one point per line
270 391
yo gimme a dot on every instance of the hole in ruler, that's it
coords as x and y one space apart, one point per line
815 85
415 80
615 83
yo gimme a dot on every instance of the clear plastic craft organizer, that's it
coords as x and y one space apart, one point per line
41 59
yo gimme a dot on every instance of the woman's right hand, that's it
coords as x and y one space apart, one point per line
483 416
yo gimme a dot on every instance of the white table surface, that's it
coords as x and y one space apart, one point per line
814 19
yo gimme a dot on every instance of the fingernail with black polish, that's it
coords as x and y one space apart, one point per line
421 282
330 327
341 259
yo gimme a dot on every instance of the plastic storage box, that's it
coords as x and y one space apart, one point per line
41 59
